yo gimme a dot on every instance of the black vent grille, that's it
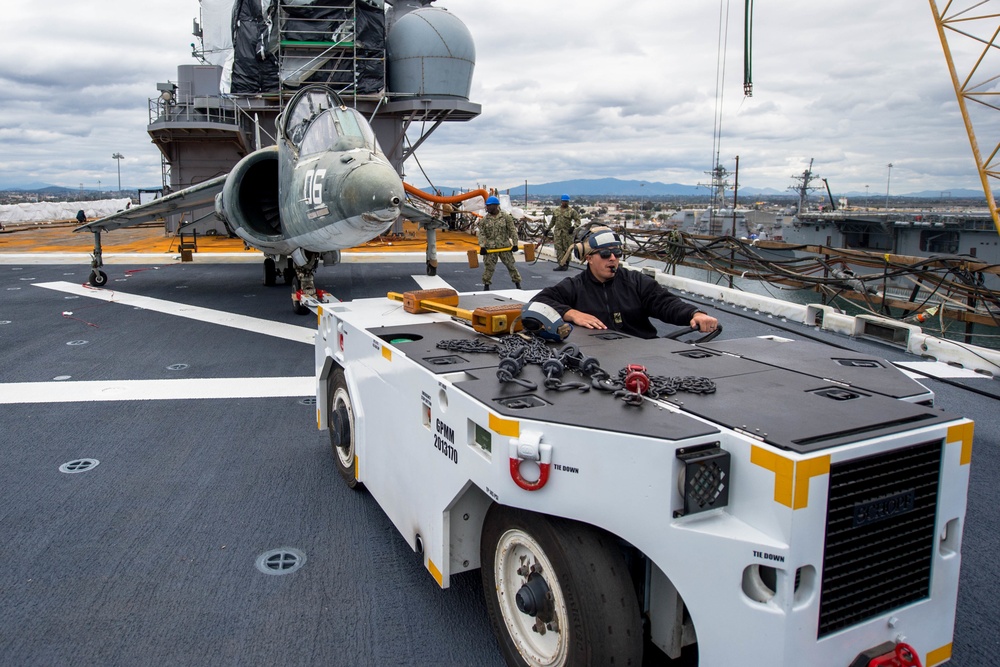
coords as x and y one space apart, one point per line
879 534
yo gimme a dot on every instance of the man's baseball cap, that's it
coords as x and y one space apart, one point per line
600 238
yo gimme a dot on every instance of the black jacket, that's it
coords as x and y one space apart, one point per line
625 303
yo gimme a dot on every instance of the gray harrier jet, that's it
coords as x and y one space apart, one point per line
324 187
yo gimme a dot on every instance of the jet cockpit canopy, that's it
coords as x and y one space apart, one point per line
317 120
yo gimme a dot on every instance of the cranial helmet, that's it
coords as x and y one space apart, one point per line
543 321
596 239
564 198
492 200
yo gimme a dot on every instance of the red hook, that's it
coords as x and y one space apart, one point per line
543 475
530 449
904 655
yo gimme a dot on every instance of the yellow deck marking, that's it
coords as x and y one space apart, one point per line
387 353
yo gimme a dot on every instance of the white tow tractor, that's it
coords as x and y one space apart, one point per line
759 497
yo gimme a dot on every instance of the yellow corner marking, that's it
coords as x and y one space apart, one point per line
805 471
938 655
436 573
386 352
963 433
319 424
790 477
508 427
783 469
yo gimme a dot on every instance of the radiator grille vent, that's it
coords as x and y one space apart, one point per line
879 534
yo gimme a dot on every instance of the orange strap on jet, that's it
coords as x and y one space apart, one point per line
439 199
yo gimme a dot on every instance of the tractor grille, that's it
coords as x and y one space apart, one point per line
879 534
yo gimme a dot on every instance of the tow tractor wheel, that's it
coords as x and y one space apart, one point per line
558 592
341 427
269 272
98 278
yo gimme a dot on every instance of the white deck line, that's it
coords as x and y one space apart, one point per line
291 332
155 390
431 282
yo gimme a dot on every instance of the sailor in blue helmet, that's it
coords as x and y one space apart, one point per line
498 240
606 295
565 220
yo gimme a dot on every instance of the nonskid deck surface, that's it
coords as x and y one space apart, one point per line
192 386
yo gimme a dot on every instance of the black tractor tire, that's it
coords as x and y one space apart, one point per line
558 592
340 425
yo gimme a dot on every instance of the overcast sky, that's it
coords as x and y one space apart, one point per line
569 89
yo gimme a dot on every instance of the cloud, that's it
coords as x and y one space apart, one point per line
569 89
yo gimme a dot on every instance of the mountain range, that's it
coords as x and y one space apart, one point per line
596 187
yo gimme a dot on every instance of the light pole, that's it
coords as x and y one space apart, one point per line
887 179
642 208
118 157
866 197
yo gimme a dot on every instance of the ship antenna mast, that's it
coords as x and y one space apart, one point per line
804 185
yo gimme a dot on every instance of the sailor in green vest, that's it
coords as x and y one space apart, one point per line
565 220
497 230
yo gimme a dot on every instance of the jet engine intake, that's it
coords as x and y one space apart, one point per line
249 202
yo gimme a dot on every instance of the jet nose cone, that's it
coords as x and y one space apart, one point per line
373 193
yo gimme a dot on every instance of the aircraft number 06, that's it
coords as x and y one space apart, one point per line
313 188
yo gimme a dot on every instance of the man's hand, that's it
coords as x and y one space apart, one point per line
704 322
582 319
482 251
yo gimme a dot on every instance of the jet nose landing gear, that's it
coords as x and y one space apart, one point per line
304 284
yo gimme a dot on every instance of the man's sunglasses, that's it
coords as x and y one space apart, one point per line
605 253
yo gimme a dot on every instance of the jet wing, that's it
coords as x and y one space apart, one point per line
196 196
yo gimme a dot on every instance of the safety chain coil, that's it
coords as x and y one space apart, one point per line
630 384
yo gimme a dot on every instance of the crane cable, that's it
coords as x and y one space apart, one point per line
720 76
